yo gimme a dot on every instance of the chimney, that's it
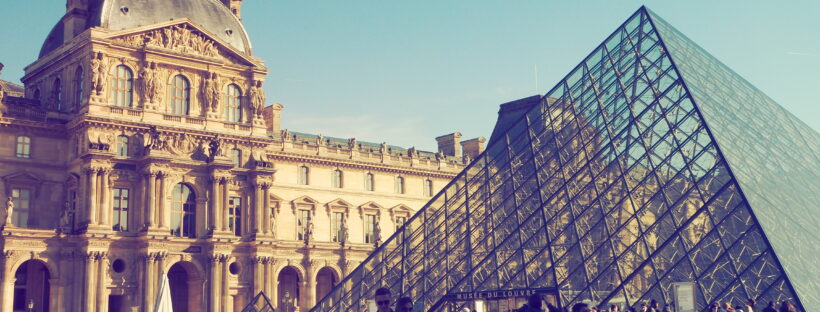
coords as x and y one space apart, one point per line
235 6
273 116
473 147
75 20
449 144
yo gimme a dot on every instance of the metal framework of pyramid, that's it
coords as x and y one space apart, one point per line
650 163
260 303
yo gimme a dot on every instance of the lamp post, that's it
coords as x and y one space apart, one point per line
30 305
287 302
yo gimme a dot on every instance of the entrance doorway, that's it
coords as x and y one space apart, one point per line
288 295
186 287
495 300
325 281
31 287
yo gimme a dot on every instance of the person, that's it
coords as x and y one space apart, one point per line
653 306
770 307
787 307
738 309
644 307
580 307
383 300
714 307
750 305
404 304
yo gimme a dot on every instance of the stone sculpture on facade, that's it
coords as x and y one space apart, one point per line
149 77
256 95
9 211
98 73
210 91
377 232
65 218
351 143
176 38
156 141
214 148
345 232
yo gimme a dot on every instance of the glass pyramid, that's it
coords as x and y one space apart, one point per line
651 163
260 303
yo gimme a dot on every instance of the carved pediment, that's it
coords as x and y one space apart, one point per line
183 37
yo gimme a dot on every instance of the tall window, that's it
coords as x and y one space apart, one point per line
235 215
337 178
122 146
233 103
122 86
370 229
336 227
399 222
400 185
23 147
183 211
120 209
428 188
236 157
302 217
303 178
368 181
78 87
22 203
179 95
58 94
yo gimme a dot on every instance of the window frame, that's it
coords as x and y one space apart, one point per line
428 187
303 175
236 157
337 178
179 95
185 211
370 228
232 99
23 147
119 211
79 83
57 91
369 182
122 87
302 215
400 185
235 215
122 146
337 220
22 206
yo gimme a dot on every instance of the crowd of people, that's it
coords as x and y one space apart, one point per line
535 302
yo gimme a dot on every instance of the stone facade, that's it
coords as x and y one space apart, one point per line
139 152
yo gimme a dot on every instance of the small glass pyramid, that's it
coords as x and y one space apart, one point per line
650 164
260 303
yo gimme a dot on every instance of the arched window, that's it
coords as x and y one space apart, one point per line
337 178
57 91
37 94
399 185
368 182
23 147
122 146
179 95
78 87
236 157
233 103
303 175
183 211
428 188
122 86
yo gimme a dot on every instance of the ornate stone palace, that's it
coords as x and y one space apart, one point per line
141 145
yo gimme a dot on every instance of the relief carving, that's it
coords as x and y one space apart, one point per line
178 38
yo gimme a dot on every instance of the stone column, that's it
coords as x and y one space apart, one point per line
266 210
271 282
105 199
258 275
148 286
163 214
224 215
311 284
215 283
305 290
90 282
102 278
7 283
213 211
150 199
257 208
54 298
92 196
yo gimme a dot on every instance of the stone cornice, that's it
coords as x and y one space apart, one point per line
102 122
300 158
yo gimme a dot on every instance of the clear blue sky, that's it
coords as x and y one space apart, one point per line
407 71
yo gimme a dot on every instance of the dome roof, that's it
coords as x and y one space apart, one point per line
125 14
